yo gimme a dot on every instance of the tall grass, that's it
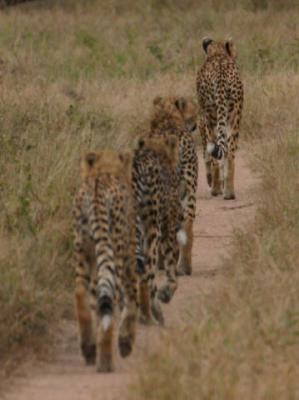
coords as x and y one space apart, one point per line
82 74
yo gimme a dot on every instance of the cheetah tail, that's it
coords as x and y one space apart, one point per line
105 264
215 150
181 237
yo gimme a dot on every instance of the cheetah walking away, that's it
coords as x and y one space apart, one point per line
220 98
159 217
178 116
105 241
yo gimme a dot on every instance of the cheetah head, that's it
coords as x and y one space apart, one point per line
212 47
166 146
117 163
179 110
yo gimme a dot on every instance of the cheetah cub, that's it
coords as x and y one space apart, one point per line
105 240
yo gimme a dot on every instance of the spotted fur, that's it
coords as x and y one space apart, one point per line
178 116
104 247
220 98
159 216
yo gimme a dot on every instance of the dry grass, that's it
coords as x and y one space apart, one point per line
81 74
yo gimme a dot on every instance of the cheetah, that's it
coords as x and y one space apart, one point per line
178 116
220 98
159 216
104 247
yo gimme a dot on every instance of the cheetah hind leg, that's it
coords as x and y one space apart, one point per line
208 165
229 172
184 266
216 179
206 156
221 166
127 331
160 260
86 328
209 172
166 292
146 308
157 311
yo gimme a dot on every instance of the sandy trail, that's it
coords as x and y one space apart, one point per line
67 378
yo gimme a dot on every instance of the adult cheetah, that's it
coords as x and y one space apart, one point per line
104 247
220 98
178 116
159 217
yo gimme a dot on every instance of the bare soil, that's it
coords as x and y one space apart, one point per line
67 378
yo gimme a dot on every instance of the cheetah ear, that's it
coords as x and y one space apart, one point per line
157 100
90 159
230 48
180 104
171 141
125 157
88 162
205 43
141 143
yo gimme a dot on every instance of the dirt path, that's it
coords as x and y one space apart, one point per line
67 378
